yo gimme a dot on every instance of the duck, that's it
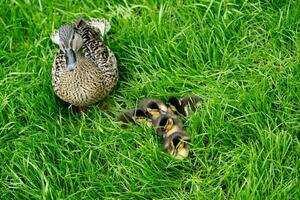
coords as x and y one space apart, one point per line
186 105
153 107
166 124
133 115
177 144
146 111
84 70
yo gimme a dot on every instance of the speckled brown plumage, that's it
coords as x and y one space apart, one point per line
95 75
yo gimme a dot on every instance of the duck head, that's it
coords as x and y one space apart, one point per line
69 42
177 144
133 116
186 105
153 107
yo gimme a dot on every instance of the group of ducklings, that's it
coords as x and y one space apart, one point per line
165 120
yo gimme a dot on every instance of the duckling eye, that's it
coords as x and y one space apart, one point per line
163 122
174 101
140 113
153 105
176 140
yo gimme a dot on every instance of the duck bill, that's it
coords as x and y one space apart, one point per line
70 59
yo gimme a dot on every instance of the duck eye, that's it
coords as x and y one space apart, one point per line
153 105
174 101
176 141
163 122
140 113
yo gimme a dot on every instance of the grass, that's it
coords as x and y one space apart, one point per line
241 57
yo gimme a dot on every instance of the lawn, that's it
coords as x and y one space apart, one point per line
241 57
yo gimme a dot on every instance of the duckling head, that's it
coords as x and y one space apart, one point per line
175 105
69 42
140 116
166 123
132 116
186 105
190 104
177 145
153 109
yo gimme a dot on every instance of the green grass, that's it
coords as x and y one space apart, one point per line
241 57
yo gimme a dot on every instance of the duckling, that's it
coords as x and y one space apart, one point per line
132 116
186 105
152 107
177 144
166 124
84 69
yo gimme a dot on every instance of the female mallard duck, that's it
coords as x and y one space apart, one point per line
84 69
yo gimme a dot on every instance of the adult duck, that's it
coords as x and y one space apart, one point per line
84 69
